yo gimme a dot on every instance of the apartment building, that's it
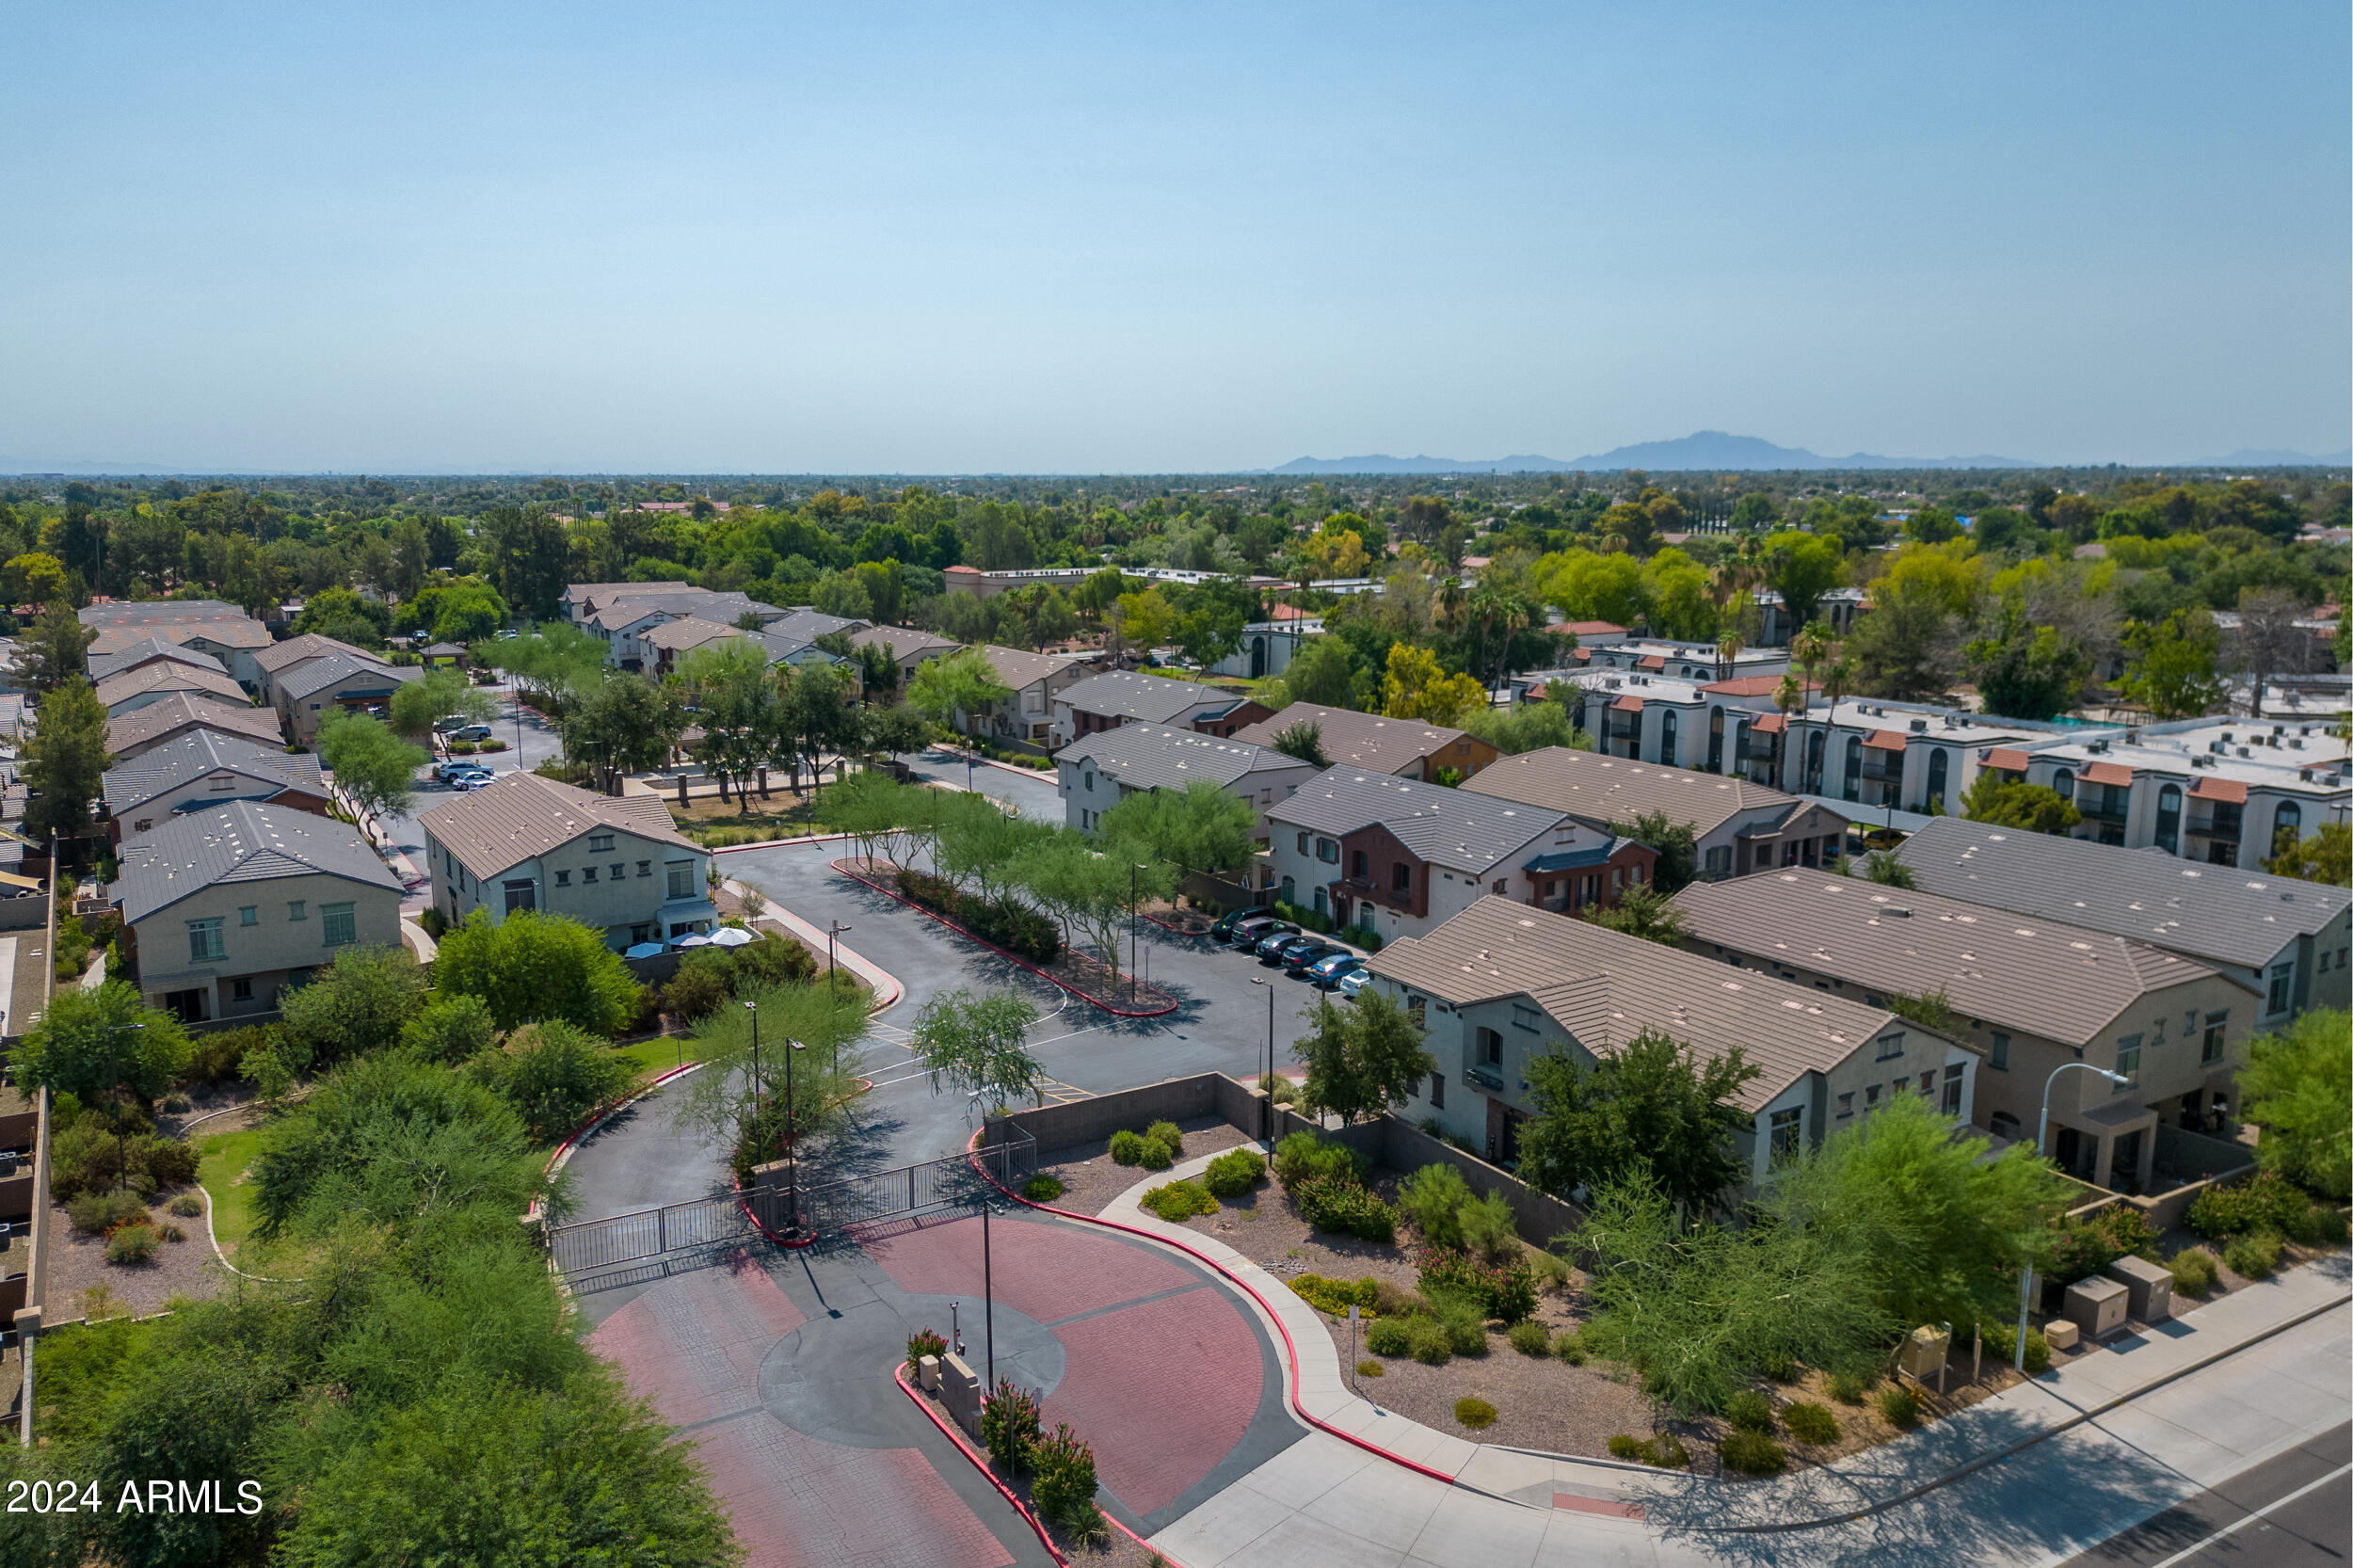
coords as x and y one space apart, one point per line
622 615
1097 772
908 647
134 689
225 632
311 692
1405 747
1106 701
1031 682
146 651
2030 995
146 728
1500 985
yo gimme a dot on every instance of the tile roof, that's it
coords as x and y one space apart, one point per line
1587 628
1157 757
145 650
199 752
1446 827
149 612
177 711
579 591
1155 698
1753 685
324 671
521 815
687 633
623 609
2218 914
905 642
1606 789
1361 739
243 842
1605 988
168 676
309 645
239 633
1019 669
806 626
2038 976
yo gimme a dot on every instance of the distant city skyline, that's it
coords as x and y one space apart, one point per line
741 238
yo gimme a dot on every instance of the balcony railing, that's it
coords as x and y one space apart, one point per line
1882 767
1365 886
2101 805
1483 1078
2222 822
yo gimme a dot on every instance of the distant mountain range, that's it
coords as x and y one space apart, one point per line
1716 450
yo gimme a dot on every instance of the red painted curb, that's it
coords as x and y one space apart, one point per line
1290 1349
1089 998
898 1376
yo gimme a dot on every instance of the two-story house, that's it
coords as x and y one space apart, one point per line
1372 743
1740 826
2032 995
309 693
669 645
623 619
223 632
1031 682
1501 984
1397 857
225 907
1116 698
283 659
529 844
1097 773
203 768
2289 941
134 689
151 650
908 647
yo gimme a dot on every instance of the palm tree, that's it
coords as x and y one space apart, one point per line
1449 605
1727 653
1809 647
1838 681
1789 697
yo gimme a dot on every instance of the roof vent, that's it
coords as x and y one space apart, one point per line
2244 752
1898 911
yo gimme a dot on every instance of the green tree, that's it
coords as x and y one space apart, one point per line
2325 855
963 684
2023 671
1325 672
1655 1111
1417 687
974 1044
2014 802
741 711
555 1076
438 694
2172 672
1906 647
1677 842
1644 912
1363 1058
1093 884
552 664
450 1031
355 1005
1882 867
524 549
1304 741
2298 1087
622 725
88 1043
533 967
1203 827
375 769
55 649
64 760
1801 567
1530 726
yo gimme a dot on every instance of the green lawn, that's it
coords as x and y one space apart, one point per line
660 1054
221 1160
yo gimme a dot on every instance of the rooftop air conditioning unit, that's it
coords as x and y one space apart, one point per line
1898 910
1919 727
2244 752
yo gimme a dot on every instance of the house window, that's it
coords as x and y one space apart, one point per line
617 870
205 941
589 874
341 927
2000 1059
1401 877
562 879
682 878
1846 1104
1490 1048
521 895
1870 1095
295 911
2210 1051
1303 843
1088 779
1891 1045
599 843
1719 860
249 914
1952 1088
1357 864
240 990
1328 850
1786 1129
1522 1016
645 868
2283 975
2128 1060
1437 1091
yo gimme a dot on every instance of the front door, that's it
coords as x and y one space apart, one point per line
187 1006
2124 1163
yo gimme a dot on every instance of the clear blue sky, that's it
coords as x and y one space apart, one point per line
870 238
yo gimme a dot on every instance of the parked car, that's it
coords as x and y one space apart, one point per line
472 781
1247 932
1224 930
1273 946
1353 982
454 767
1328 970
471 732
1300 955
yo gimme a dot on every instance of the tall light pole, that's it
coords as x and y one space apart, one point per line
1132 869
2043 1127
793 1139
1267 1120
1139 924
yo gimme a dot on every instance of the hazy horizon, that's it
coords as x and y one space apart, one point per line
750 240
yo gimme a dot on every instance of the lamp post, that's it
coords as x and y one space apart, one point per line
1132 869
114 1072
1267 1120
1139 867
793 1140
2043 1127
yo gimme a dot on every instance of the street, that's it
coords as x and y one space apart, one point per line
2294 1511
528 743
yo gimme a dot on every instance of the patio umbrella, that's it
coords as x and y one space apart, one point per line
644 950
692 939
731 936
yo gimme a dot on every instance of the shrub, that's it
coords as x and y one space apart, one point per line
1335 1296
1042 1188
923 1342
1390 1337
1179 1201
1341 1206
1234 1173
1489 1229
1752 1453
1570 1347
1778 1365
1127 1148
1750 1411
1624 1446
1157 1156
700 988
1503 1291
213 1057
1551 1271
451 1029
1530 1337
1167 1133
2252 1256
1433 1197
133 1245
1811 1423
1276 1087
1477 1415
1370 1368
187 1205
1665 1451
172 1233
1850 1387
1009 1424
1900 1406
2320 1226
1303 1158
96 1213
2084 1248
1465 1325
1065 1488
2269 1202
2194 1272
1429 1341
2001 1343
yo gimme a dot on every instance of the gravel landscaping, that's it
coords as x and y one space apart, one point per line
77 1263
1091 1178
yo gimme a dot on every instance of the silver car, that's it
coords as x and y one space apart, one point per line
1353 982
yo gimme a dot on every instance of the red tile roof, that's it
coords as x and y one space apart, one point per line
1886 740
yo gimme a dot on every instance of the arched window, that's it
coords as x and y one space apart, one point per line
1937 776
2169 819
2064 782
1812 762
2289 818
1716 739
1853 785
1667 736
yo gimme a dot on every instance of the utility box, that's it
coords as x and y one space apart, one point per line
2097 1306
2148 1287
2060 1335
927 1373
1922 1357
960 1391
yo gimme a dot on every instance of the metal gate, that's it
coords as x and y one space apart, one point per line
956 1181
651 1243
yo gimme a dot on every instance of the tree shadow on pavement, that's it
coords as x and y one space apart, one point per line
2062 1497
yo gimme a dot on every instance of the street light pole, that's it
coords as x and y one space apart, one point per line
1267 1120
793 1139
988 1297
1138 866
1132 935
2041 1130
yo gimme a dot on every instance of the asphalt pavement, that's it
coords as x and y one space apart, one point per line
1035 795
2294 1511
527 746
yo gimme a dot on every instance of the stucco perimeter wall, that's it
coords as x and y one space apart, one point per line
1389 1140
